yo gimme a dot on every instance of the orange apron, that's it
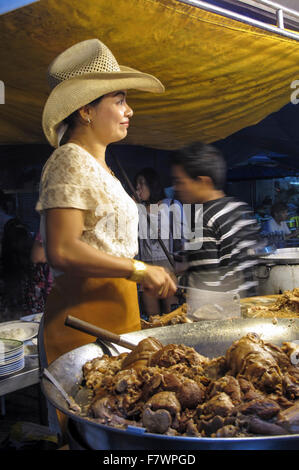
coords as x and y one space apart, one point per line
110 303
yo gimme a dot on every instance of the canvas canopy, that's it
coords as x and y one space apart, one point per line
220 75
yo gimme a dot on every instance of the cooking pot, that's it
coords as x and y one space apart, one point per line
278 271
281 256
210 338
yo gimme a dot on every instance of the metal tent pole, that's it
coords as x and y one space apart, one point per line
244 19
278 6
280 19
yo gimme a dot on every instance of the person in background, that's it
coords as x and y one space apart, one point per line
38 257
25 283
222 257
277 223
150 191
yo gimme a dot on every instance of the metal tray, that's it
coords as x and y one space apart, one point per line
210 338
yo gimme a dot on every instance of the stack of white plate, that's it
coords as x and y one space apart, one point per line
11 356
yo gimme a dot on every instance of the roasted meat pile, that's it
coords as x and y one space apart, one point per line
286 305
252 390
175 317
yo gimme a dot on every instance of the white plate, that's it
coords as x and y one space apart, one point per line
6 362
12 367
17 368
34 317
20 330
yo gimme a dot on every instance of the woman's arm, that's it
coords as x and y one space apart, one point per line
68 253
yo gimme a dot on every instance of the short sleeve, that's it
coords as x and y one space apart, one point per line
70 178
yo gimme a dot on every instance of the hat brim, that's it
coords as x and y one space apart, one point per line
76 92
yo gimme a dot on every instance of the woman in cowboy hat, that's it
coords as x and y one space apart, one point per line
88 222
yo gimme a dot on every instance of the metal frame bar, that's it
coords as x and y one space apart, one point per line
250 21
277 6
280 19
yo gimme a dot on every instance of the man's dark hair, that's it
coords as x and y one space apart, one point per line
278 207
200 159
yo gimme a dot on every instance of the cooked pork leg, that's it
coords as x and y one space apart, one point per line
173 318
140 355
250 358
177 353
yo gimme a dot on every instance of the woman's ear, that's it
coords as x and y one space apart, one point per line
85 114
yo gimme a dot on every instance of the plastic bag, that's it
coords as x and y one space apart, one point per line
211 305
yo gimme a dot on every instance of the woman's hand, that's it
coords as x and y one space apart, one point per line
158 283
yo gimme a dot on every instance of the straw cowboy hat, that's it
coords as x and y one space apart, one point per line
81 74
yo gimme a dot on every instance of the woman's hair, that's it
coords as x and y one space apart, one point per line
154 184
72 119
200 159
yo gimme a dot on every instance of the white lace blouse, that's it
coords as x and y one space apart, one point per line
73 178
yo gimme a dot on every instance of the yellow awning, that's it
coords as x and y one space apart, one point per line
220 75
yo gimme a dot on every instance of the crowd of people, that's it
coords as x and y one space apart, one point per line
219 259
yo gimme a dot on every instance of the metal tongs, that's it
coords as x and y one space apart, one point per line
101 333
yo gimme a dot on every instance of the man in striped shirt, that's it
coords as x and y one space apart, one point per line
223 257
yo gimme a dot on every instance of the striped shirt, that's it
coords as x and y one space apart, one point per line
224 261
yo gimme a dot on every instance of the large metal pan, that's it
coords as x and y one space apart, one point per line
210 338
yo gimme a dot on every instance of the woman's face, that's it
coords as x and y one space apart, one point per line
142 189
110 117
